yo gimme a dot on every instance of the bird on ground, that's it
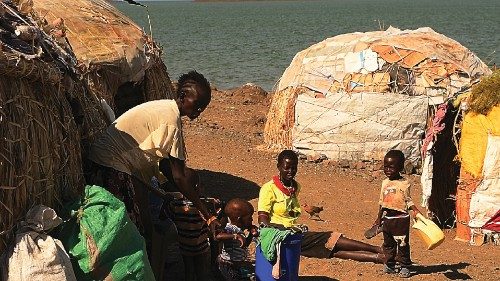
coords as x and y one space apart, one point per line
313 211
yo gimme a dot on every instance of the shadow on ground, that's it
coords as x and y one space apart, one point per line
451 271
316 278
225 186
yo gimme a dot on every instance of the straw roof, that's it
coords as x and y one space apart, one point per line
41 148
111 49
354 96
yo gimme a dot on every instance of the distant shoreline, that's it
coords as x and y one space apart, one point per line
242 0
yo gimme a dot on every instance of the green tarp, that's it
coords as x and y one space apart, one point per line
102 241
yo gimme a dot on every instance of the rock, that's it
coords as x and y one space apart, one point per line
315 158
259 120
377 174
360 165
302 156
249 94
408 168
330 162
344 163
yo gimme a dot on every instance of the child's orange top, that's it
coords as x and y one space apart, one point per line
395 195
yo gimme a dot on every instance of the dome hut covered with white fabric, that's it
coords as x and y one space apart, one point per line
355 96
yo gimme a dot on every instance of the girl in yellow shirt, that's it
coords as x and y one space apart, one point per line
279 207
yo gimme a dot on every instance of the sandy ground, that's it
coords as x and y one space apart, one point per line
225 144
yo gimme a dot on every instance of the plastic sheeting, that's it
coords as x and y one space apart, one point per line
475 129
359 125
485 201
439 65
427 175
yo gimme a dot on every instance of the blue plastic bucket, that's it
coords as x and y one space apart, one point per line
290 258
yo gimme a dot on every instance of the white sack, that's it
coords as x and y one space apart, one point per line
37 256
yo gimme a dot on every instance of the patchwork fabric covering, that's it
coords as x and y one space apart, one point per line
355 96
478 196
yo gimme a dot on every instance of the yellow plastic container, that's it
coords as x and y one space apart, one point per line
428 231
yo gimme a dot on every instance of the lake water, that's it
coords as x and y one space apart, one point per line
233 43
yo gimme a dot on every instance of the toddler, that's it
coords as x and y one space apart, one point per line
237 234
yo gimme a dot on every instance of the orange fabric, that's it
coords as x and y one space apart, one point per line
466 186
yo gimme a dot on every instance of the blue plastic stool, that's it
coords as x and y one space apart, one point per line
290 259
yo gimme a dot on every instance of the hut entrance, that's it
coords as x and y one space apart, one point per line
446 171
127 96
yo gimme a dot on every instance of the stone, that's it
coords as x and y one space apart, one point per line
377 174
360 165
314 158
344 163
408 168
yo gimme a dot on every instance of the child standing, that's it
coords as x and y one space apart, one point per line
193 232
235 237
395 202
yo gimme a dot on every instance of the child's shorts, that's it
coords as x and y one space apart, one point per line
319 244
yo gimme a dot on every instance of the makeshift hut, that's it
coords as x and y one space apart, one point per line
478 194
119 62
355 96
42 121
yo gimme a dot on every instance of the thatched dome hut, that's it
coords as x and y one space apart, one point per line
43 109
120 63
354 96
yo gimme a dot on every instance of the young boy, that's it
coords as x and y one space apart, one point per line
236 236
395 202
193 232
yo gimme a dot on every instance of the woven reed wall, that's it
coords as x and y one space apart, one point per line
104 83
41 146
110 48
157 82
281 118
39 149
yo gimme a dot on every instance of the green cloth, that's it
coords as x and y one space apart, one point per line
102 241
269 238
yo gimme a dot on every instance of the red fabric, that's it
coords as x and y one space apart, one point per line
494 223
279 184
436 127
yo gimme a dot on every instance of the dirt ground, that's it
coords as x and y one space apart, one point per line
225 143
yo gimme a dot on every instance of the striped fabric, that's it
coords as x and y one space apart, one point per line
191 227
